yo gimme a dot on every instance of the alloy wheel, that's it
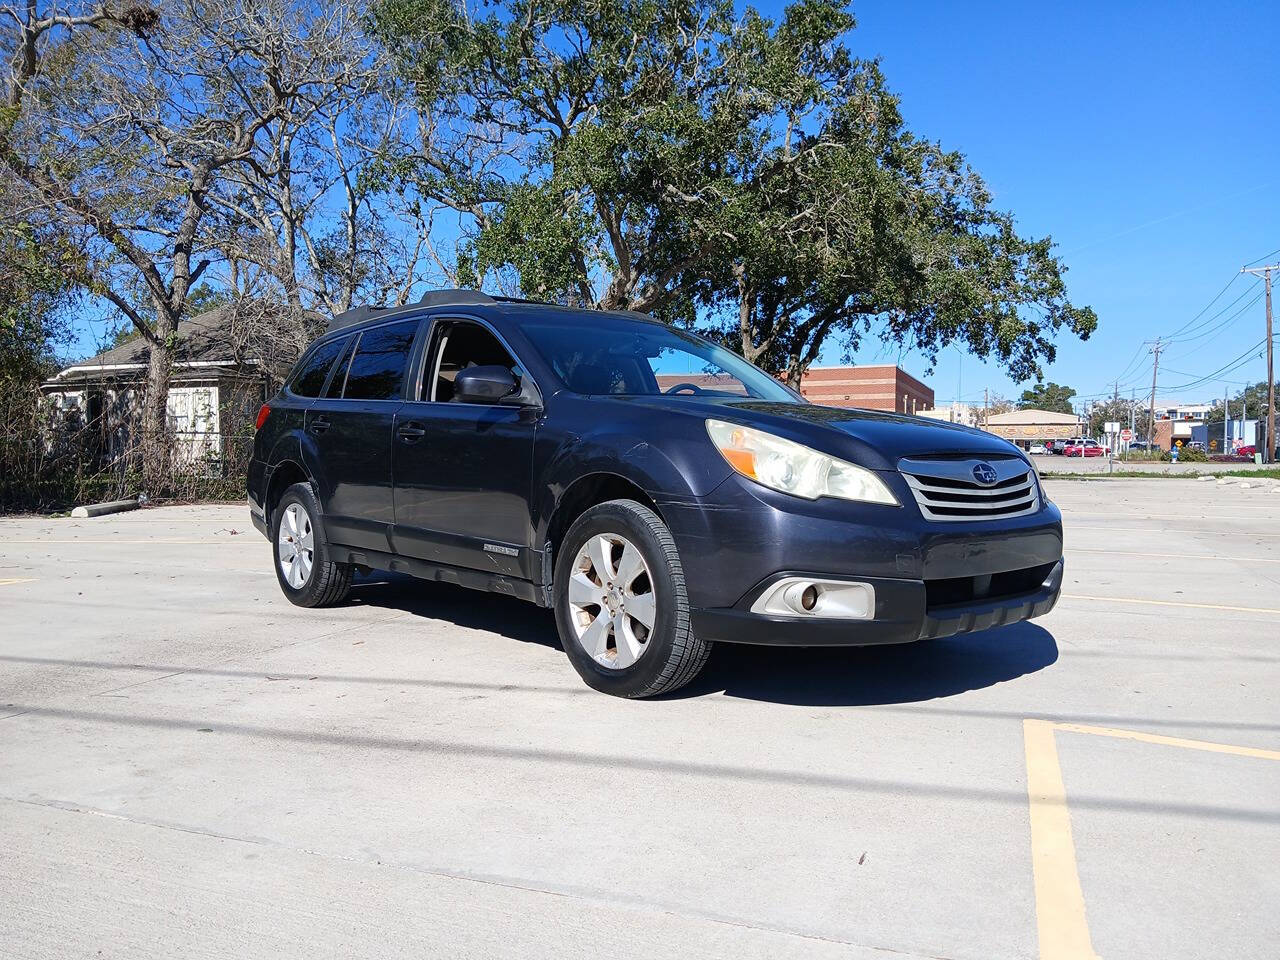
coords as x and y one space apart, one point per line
296 545
611 602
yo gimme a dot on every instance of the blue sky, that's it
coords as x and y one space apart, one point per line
1140 137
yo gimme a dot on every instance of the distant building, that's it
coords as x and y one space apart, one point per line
872 387
1194 412
1025 427
965 413
875 387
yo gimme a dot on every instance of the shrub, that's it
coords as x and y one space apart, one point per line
1186 455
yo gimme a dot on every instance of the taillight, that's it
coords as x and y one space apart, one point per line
262 416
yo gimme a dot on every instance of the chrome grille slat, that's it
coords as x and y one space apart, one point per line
942 493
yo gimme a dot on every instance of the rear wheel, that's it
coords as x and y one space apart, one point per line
621 606
307 575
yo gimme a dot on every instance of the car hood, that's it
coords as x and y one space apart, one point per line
872 438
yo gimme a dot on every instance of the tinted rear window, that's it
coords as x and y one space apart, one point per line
309 380
377 369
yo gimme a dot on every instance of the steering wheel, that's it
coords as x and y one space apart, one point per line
692 387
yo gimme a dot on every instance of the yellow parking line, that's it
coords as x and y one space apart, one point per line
1061 925
1170 741
1173 556
1060 918
1171 603
12 580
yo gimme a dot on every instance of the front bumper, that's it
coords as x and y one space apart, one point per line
903 614
928 576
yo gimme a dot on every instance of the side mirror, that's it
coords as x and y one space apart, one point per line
489 384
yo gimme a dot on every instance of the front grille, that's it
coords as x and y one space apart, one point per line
944 489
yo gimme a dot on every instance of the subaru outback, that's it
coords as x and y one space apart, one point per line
656 490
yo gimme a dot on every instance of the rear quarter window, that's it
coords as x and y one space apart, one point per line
312 372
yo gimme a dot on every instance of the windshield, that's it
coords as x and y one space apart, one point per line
636 358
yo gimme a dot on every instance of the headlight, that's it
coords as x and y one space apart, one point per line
794 468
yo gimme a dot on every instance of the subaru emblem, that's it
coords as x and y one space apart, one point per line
984 473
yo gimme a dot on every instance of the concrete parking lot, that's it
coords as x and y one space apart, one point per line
190 766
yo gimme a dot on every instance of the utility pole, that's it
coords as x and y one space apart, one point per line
1268 453
986 400
1156 347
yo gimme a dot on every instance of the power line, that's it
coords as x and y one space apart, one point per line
1196 336
1206 307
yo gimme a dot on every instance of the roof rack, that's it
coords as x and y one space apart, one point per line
352 316
432 298
442 298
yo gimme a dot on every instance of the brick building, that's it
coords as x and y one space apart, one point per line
883 387
878 387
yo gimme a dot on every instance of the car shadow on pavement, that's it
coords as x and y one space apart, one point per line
864 676
807 676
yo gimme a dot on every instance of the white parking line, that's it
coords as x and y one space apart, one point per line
1171 603
1173 556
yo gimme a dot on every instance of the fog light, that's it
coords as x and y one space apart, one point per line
830 599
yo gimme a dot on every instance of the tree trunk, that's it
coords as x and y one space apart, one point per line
156 440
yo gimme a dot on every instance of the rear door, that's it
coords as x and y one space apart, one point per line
349 431
463 470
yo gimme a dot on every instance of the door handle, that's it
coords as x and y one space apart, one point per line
318 425
410 433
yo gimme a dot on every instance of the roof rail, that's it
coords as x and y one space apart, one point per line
441 298
432 298
353 316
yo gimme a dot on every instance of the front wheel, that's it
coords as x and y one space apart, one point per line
621 606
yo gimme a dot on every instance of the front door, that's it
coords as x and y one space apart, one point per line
351 433
464 470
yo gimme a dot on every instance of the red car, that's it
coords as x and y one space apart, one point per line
1248 451
1089 448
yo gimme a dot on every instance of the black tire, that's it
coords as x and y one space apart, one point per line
328 582
672 655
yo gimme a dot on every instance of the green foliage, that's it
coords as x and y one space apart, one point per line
1186 455
683 158
1252 398
1047 396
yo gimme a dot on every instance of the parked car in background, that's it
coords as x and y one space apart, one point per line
1247 450
1038 449
655 490
1057 446
1084 448
1140 445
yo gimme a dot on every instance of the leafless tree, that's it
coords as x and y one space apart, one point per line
145 125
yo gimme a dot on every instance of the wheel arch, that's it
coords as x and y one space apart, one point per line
285 474
584 493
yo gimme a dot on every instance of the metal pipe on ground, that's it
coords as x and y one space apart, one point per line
99 509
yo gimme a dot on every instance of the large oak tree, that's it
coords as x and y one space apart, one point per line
681 158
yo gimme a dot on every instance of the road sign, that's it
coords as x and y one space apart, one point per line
1111 426
1126 435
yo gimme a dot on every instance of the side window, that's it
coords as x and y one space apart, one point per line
339 378
378 367
462 345
311 374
